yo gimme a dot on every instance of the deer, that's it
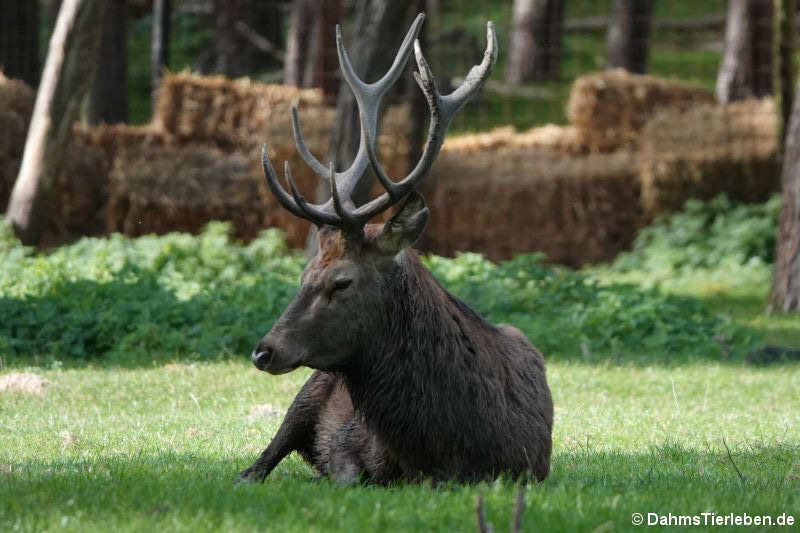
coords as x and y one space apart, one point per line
409 382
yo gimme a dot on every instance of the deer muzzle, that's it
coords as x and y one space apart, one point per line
268 357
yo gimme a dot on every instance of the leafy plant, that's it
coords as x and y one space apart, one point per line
706 235
206 296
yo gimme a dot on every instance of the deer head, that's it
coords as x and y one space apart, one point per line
344 289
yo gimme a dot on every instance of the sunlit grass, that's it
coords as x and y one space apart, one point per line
159 447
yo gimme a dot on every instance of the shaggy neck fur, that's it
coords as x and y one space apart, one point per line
422 377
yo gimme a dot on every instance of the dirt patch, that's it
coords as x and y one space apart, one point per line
68 438
263 411
23 382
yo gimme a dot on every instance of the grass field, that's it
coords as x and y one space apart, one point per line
156 446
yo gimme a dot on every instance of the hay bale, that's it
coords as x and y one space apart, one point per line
243 114
511 200
16 105
80 195
118 138
17 96
560 139
181 188
611 108
707 150
234 112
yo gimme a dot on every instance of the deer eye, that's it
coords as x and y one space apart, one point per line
340 285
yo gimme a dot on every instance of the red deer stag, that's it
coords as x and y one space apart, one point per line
410 382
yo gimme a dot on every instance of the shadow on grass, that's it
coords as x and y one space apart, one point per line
586 489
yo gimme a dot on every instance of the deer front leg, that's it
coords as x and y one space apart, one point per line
298 429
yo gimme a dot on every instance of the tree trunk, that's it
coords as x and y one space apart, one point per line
786 278
235 54
159 51
379 29
19 40
535 51
746 69
311 59
230 60
785 25
109 97
297 41
628 39
67 76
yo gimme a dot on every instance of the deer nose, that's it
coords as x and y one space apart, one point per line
261 356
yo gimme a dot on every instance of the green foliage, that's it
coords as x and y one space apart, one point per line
563 311
715 234
206 296
132 298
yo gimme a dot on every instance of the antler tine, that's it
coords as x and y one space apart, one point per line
305 153
368 97
311 212
295 204
442 109
348 222
476 77
274 185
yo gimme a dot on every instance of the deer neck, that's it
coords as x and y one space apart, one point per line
430 342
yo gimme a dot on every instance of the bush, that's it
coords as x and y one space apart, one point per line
568 312
129 298
715 234
205 296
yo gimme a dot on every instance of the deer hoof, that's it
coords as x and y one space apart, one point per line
248 476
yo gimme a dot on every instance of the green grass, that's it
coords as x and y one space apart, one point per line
156 446
157 449
148 431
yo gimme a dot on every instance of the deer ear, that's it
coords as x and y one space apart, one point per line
405 227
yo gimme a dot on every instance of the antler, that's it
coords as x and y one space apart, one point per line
442 108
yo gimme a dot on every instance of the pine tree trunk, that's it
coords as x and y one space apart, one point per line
379 29
746 69
628 39
159 51
234 52
19 40
109 97
786 278
228 44
67 76
311 59
535 50
786 26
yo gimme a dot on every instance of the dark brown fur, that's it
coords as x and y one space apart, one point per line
424 387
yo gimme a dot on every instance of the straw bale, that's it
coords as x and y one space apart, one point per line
242 114
117 138
512 200
80 194
13 129
564 139
610 108
708 150
224 111
181 188
16 105
17 96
